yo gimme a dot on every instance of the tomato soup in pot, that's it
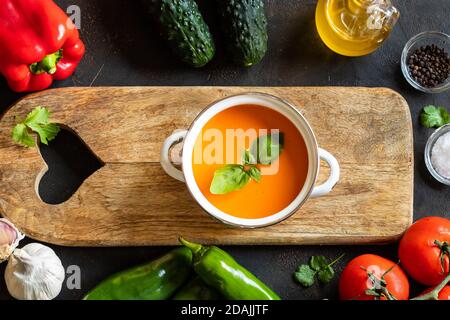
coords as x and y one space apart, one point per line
250 160
234 130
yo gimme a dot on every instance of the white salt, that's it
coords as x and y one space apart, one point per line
440 155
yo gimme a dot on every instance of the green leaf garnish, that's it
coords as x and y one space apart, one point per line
305 275
233 177
318 266
230 178
20 135
255 173
248 158
318 262
434 117
268 148
36 121
326 275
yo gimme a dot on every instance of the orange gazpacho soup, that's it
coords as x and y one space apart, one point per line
275 191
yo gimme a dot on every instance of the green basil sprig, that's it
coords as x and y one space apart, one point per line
268 148
233 177
230 178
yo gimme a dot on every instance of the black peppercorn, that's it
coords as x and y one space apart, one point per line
429 65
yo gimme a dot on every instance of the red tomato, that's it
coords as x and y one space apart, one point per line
443 295
355 279
420 256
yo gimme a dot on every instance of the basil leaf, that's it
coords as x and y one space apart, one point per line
268 148
326 275
318 262
230 178
248 158
255 173
305 275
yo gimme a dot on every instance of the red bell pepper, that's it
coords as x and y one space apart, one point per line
38 43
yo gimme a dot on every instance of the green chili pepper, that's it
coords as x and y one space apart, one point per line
197 289
156 280
219 270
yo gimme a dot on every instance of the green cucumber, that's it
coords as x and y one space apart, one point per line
156 280
244 25
186 31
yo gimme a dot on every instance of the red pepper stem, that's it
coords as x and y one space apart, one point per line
48 64
434 294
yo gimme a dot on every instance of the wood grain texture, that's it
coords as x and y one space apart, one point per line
132 202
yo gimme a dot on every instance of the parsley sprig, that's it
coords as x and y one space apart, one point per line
36 121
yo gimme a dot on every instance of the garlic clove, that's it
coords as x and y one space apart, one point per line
7 234
9 239
5 252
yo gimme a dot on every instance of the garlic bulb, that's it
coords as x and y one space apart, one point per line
9 239
34 273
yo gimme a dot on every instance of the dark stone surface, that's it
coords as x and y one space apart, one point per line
123 49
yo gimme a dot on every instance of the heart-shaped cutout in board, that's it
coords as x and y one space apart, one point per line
69 163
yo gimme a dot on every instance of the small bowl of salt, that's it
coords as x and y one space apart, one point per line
437 154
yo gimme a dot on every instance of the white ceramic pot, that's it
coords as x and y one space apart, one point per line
315 154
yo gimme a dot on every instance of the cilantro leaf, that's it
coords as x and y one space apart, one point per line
326 275
434 117
305 275
20 135
46 132
318 262
36 121
320 267
38 115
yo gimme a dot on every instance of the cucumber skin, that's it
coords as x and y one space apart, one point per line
244 24
156 280
186 31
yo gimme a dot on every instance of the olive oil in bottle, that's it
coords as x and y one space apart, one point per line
355 27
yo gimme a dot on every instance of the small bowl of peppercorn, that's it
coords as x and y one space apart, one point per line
426 63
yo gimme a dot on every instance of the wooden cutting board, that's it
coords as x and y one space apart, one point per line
130 201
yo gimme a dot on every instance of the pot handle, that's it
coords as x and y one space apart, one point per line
327 186
166 163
